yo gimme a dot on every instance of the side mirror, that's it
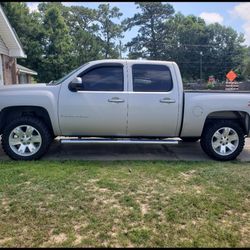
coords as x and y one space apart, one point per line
76 84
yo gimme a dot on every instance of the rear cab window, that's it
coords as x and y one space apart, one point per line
151 78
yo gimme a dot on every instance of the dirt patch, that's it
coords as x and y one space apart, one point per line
5 204
5 240
144 208
93 180
78 240
50 196
187 175
245 232
77 227
103 190
198 189
56 239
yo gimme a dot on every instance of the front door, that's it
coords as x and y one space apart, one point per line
153 101
100 108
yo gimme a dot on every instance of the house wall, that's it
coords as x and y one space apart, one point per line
29 78
1 71
3 49
9 70
25 78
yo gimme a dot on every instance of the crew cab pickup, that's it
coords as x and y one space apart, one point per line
121 101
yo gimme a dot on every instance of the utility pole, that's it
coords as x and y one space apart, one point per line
201 54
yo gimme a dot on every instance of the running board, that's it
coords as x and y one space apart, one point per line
117 141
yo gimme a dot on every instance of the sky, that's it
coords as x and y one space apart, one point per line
232 14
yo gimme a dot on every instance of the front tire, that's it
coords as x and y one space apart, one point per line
26 138
223 140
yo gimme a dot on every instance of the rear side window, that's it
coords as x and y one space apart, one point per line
104 78
151 78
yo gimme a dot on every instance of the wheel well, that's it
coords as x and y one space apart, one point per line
10 113
242 118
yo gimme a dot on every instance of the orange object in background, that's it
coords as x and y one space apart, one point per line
231 75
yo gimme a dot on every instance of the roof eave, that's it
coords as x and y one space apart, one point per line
18 50
27 72
19 53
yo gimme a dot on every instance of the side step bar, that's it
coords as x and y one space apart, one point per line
117 141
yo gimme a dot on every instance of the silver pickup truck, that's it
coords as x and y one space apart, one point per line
121 101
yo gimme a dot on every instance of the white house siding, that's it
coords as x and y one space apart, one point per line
1 71
3 49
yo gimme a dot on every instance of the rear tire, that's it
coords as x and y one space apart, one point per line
26 138
223 140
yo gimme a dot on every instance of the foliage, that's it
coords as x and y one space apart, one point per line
57 45
57 39
83 30
148 42
199 49
245 69
187 41
108 29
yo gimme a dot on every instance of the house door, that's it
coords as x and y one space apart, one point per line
1 71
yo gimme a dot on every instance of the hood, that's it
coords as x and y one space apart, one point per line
23 85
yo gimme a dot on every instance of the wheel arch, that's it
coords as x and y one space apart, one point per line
241 117
9 113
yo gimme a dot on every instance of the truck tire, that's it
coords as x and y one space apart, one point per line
26 138
190 139
223 140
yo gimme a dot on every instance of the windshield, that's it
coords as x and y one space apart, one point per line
54 82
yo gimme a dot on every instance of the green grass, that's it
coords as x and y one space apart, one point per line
124 204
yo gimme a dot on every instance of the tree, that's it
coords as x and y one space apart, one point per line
57 45
245 67
148 42
84 32
109 31
185 42
199 48
226 52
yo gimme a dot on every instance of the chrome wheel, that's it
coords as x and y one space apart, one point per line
25 140
225 141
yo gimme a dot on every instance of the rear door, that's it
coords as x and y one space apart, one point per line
152 100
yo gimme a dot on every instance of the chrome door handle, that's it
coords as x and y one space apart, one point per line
167 100
116 99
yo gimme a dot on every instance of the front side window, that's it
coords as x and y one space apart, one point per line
104 78
151 78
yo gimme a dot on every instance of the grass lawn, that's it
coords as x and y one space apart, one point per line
124 204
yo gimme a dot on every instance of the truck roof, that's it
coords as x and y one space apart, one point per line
131 60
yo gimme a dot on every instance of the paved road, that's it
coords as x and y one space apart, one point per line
182 151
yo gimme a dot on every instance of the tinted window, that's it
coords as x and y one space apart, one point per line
105 78
151 78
